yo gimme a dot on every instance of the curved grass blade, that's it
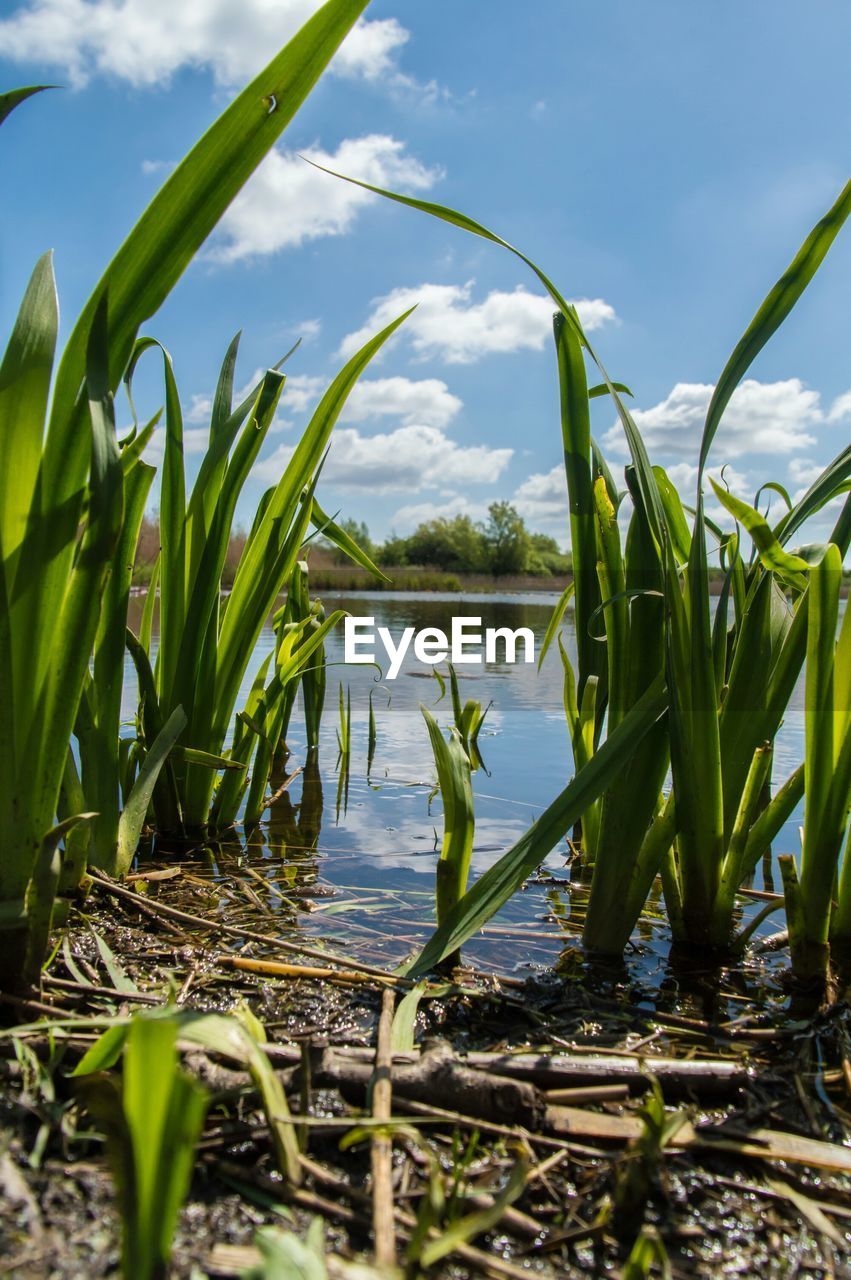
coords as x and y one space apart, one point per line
774 310
494 888
185 211
132 819
771 553
555 622
336 534
833 480
14 97
646 479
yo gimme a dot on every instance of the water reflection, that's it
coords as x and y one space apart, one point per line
351 838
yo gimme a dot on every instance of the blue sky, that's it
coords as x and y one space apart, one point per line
661 161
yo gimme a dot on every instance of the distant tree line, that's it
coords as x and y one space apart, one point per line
499 546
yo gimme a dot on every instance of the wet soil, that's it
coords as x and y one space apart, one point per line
585 1200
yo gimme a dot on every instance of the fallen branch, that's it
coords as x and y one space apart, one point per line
383 1224
678 1078
437 1077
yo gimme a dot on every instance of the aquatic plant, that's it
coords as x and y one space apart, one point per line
62 472
260 732
152 1121
206 641
812 919
454 770
727 688
238 1036
468 718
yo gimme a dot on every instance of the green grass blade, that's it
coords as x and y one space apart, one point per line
771 553
819 706
555 622
173 566
453 774
832 480
494 888
772 313
13 98
576 443
133 818
334 533
615 605
184 212
256 584
24 393
452 216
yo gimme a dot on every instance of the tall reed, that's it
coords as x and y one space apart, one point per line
61 472
727 688
454 771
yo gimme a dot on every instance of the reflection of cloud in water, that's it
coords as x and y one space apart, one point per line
524 741
396 827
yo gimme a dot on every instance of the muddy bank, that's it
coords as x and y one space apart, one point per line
745 1173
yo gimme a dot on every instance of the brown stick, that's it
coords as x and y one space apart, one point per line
383 1224
282 969
678 1077
439 1077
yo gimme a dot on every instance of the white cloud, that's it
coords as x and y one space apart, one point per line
200 409
762 417
302 391
146 41
195 440
426 401
153 166
287 201
423 402
542 498
308 330
841 408
683 475
803 472
411 458
449 324
407 518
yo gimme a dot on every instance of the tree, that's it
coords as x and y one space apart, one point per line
455 545
394 551
546 557
506 540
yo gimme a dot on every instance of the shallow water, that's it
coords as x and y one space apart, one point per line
360 859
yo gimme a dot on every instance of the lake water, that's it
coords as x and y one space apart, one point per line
360 861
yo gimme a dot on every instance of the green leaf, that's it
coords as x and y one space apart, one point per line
268 560
116 971
494 888
133 818
336 534
471 1225
405 1020
833 480
602 389
576 444
771 553
24 393
772 313
14 97
184 212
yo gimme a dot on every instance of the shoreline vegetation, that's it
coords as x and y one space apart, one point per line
204 1048
453 556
